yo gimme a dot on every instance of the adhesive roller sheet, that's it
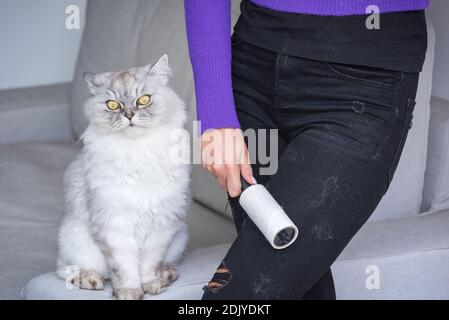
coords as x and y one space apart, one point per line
268 216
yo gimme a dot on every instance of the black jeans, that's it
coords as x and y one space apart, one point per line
342 129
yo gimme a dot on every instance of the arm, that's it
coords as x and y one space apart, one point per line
208 25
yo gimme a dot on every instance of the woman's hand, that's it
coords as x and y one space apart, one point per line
224 154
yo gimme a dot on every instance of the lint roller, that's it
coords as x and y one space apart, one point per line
267 215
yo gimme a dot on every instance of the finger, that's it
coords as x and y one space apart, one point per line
210 168
205 160
219 169
207 156
247 171
233 180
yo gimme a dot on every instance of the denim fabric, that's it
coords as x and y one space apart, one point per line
342 129
400 43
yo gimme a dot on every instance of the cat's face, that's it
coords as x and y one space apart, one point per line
130 101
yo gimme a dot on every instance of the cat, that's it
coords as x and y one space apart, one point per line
126 202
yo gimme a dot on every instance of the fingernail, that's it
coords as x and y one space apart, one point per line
253 180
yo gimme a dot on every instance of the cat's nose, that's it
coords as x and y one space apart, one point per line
129 114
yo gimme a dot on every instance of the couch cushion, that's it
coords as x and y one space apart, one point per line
436 186
31 203
31 206
404 196
409 254
40 112
194 272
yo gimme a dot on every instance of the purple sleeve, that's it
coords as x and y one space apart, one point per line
208 25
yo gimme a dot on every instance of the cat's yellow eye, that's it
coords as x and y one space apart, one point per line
144 100
112 105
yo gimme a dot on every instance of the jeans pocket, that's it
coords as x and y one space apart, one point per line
357 128
377 120
368 75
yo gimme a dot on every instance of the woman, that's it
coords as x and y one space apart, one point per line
339 85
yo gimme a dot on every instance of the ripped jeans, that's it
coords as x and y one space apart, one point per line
342 129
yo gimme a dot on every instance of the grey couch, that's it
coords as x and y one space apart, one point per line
402 253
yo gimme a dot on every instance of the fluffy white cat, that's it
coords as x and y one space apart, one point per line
126 200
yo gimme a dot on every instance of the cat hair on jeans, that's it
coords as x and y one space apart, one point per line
126 199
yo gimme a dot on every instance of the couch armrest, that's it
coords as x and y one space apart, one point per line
427 231
410 255
436 183
35 114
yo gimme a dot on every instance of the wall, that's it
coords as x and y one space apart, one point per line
36 47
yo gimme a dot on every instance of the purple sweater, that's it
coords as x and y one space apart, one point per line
208 32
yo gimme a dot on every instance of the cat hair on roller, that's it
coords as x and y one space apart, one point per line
267 215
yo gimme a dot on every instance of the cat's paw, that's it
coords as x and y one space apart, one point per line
168 274
90 280
128 294
155 286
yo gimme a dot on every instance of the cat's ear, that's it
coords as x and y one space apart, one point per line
92 86
161 69
96 82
